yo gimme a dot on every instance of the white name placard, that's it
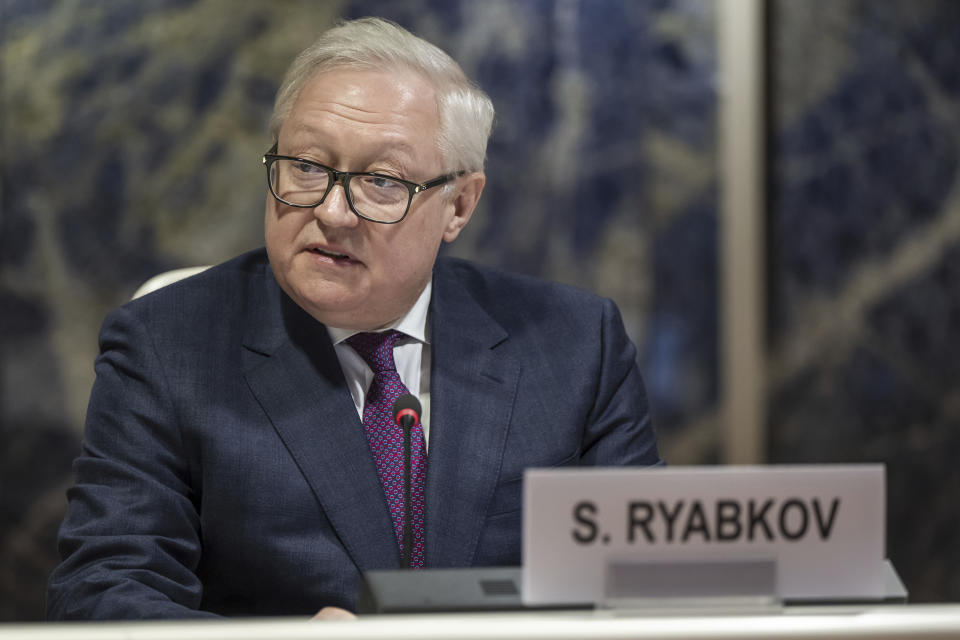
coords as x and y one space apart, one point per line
823 526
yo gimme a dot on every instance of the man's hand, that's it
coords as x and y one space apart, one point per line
334 613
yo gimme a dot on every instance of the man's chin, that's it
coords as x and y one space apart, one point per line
346 312
348 304
331 312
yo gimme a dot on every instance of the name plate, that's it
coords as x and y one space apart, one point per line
823 527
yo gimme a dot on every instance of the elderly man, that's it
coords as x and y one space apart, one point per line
240 456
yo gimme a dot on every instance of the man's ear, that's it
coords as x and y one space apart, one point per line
464 201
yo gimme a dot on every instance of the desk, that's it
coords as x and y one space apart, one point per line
794 623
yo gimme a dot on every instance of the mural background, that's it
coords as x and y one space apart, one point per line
130 143
865 260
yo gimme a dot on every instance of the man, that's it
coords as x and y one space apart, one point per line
237 459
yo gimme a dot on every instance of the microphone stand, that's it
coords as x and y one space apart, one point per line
406 413
407 553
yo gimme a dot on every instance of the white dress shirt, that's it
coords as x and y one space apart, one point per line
411 354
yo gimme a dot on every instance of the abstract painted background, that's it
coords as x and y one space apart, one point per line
130 142
865 260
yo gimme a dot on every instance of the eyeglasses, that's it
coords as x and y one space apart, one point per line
371 196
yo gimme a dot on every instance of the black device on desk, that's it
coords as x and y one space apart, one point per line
499 589
444 590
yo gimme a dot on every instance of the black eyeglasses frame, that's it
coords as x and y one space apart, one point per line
344 177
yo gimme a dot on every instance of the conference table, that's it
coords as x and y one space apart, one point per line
925 621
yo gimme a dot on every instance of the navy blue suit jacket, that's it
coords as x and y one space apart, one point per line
225 470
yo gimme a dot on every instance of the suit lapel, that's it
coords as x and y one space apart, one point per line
473 384
292 369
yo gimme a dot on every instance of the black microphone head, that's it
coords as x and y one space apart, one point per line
407 407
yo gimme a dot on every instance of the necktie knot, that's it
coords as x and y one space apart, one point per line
376 349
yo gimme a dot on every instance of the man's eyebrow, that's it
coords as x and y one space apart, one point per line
399 150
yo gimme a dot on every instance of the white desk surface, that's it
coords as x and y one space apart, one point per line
886 622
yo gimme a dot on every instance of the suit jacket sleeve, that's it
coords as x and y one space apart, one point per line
619 430
131 535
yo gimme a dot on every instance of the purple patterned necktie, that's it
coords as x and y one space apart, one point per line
386 436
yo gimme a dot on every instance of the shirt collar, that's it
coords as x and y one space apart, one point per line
413 323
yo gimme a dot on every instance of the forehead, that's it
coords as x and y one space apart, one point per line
358 109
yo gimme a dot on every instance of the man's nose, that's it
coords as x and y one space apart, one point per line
335 210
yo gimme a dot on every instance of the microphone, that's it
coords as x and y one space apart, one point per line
406 413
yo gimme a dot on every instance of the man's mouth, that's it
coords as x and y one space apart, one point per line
333 255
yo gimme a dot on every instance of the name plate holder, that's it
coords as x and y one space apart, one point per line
692 537
738 586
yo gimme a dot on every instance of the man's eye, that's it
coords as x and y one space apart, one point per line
380 182
305 167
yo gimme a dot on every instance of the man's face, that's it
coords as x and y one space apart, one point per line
345 271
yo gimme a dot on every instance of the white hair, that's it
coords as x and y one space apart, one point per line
465 111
